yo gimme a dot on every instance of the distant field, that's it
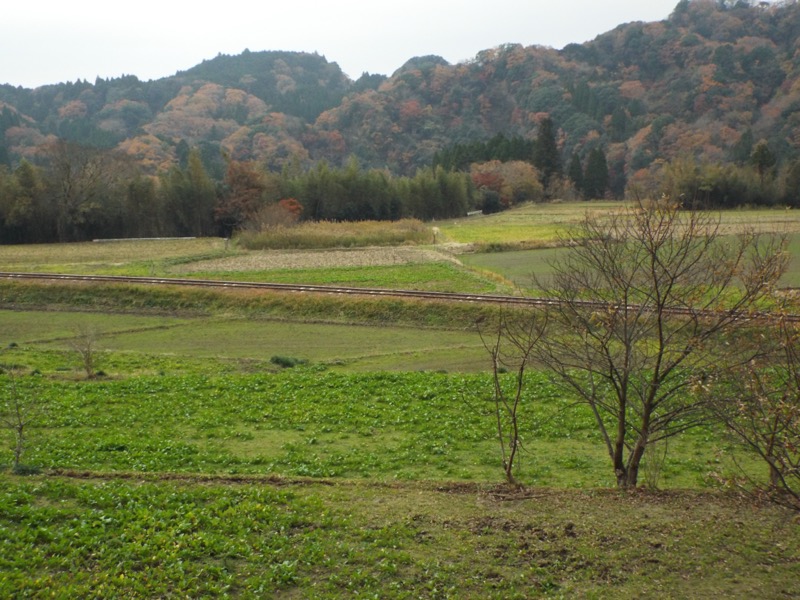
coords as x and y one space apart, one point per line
338 234
237 339
539 225
532 225
431 267
520 266
431 277
84 257
427 269
399 268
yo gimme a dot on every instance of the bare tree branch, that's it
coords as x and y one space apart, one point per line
674 294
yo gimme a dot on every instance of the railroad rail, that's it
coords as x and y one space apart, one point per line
279 287
359 291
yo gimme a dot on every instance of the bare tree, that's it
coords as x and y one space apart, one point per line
79 181
18 413
646 301
510 342
85 344
759 402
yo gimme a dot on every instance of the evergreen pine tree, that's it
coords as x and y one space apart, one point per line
546 157
575 172
595 179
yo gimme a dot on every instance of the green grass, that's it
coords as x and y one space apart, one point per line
430 277
144 539
519 266
190 301
528 226
173 413
90 256
236 339
539 225
215 477
792 276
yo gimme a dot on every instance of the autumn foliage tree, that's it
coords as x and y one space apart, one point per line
242 196
284 213
514 181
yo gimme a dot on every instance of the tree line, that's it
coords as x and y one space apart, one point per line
756 177
76 193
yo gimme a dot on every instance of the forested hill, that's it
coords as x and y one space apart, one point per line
711 81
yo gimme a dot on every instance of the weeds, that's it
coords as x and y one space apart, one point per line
287 362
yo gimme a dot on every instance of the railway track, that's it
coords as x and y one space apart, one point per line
337 290
280 287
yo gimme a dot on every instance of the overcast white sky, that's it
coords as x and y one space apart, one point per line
52 41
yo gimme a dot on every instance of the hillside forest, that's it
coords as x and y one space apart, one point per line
702 106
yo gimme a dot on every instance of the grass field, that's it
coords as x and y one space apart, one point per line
85 257
526 236
235 338
338 234
189 413
520 266
529 226
139 538
180 476
539 225
195 466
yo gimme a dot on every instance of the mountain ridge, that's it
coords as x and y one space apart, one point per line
702 82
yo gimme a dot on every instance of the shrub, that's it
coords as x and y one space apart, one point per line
287 362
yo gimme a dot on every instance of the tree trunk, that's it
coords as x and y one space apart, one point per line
20 445
619 467
634 462
619 450
775 478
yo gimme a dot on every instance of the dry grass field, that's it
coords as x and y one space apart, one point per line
265 260
117 252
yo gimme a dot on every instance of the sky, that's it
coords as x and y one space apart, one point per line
54 41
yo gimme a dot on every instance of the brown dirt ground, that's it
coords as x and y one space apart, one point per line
305 259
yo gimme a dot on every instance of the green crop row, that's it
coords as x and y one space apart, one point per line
308 421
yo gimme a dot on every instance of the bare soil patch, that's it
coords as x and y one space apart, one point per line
304 259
